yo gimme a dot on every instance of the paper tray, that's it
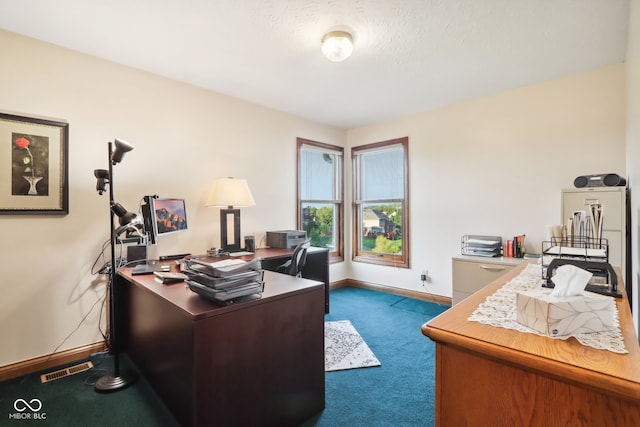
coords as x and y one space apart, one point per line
223 282
578 252
226 295
223 268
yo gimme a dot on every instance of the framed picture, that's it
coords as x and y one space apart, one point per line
34 157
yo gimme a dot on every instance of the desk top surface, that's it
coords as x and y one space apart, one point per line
270 253
267 253
276 286
565 359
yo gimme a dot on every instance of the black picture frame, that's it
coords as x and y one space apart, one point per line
34 155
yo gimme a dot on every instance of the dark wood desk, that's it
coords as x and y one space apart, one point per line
489 376
255 363
316 267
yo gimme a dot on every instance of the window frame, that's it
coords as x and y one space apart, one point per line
359 255
338 254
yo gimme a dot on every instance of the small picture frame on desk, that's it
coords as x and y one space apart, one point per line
34 154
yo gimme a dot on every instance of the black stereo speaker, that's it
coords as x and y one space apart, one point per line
614 180
600 180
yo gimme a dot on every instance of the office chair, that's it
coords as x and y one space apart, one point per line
294 266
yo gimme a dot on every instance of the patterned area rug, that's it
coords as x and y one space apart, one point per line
344 348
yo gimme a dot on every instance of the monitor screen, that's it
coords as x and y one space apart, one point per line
169 215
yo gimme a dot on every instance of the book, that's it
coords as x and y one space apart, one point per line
170 277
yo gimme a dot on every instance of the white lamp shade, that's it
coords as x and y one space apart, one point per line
337 45
230 192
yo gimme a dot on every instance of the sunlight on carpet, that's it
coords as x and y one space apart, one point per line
344 348
431 309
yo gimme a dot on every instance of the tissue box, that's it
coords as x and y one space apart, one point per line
560 316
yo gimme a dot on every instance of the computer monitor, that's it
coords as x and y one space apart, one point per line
163 216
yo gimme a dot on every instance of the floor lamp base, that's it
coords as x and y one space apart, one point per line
112 382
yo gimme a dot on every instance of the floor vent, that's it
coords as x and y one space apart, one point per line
55 375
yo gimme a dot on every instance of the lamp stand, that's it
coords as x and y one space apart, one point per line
234 215
116 380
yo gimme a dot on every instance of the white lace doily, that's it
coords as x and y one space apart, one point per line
499 310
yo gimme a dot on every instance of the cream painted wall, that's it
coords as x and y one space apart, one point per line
496 166
633 141
184 138
493 165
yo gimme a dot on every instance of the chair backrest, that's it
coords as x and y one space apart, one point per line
298 259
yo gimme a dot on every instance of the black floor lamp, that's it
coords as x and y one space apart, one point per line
115 380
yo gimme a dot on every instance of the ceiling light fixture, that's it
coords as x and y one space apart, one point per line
337 45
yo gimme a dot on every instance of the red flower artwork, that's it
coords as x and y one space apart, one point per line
22 142
29 151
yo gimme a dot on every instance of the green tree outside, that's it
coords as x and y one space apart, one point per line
386 246
319 226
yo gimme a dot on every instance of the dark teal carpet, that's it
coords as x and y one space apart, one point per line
72 401
401 391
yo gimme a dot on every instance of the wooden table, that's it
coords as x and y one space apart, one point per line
259 362
489 376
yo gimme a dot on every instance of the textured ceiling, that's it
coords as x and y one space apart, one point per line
410 55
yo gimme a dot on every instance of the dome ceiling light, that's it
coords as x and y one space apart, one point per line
337 45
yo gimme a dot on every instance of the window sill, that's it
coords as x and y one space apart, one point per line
381 260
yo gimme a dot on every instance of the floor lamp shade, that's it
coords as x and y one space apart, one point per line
230 194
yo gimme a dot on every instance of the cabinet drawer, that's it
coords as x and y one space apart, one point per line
471 276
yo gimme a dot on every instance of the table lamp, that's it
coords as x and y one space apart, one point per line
230 194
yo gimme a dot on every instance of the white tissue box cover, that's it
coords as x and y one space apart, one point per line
561 316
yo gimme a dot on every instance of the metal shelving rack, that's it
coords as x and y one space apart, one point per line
579 248
486 246
589 253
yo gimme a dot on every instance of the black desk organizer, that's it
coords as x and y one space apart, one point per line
584 252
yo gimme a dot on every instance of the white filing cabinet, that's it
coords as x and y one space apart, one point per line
472 273
615 226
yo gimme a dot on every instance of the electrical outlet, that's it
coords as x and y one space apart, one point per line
424 275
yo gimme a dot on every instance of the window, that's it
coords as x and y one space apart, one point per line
320 194
381 201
